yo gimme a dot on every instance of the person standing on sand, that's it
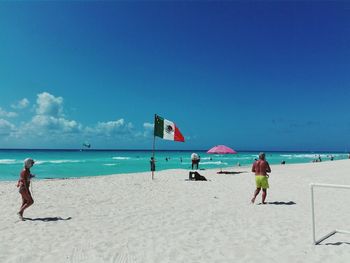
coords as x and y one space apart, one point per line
153 164
195 160
23 184
261 167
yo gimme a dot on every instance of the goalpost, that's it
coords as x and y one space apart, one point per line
313 185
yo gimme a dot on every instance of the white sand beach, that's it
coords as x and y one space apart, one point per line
130 218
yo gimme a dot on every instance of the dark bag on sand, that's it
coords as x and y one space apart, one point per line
196 176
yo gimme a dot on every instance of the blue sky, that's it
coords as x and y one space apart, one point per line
256 75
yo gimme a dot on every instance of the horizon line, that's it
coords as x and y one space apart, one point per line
169 150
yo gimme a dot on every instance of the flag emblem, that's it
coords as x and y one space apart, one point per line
169 129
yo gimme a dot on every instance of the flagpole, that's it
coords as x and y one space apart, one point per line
154 144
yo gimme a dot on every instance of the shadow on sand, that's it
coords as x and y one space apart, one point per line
228 172
47 219
338 243
281 203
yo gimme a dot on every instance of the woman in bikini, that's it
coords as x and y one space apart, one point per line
23 184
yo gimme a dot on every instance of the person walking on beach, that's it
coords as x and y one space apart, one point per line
23 184
261 167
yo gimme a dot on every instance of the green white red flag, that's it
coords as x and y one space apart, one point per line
167 130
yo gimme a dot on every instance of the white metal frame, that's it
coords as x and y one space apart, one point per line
313 212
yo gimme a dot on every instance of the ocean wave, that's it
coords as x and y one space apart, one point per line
244 158
307 155
217 163
227 157
121 158
58 161
8 161
109 164
216 157
311 155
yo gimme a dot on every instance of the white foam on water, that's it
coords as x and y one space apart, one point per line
244 158
121 158
59 161
8 161
217 163
306 155
287 155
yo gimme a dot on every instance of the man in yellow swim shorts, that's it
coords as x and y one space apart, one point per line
261 167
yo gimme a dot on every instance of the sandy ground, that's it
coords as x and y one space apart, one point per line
130 218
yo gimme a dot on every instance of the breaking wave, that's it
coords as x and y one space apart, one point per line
121 158
9 161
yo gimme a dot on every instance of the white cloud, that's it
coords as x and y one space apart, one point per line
6 127
148 126
7 114
23 103
148 129
47 126
112 128
50 115
50 105
49 123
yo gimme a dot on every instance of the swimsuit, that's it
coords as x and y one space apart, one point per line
21 189
261 181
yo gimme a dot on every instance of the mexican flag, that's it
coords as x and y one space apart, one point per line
167 130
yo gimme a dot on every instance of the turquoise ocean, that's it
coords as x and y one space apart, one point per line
77 163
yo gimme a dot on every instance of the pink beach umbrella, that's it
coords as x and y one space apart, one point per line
221 149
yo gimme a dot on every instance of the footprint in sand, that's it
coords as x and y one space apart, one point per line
83 253
123 256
